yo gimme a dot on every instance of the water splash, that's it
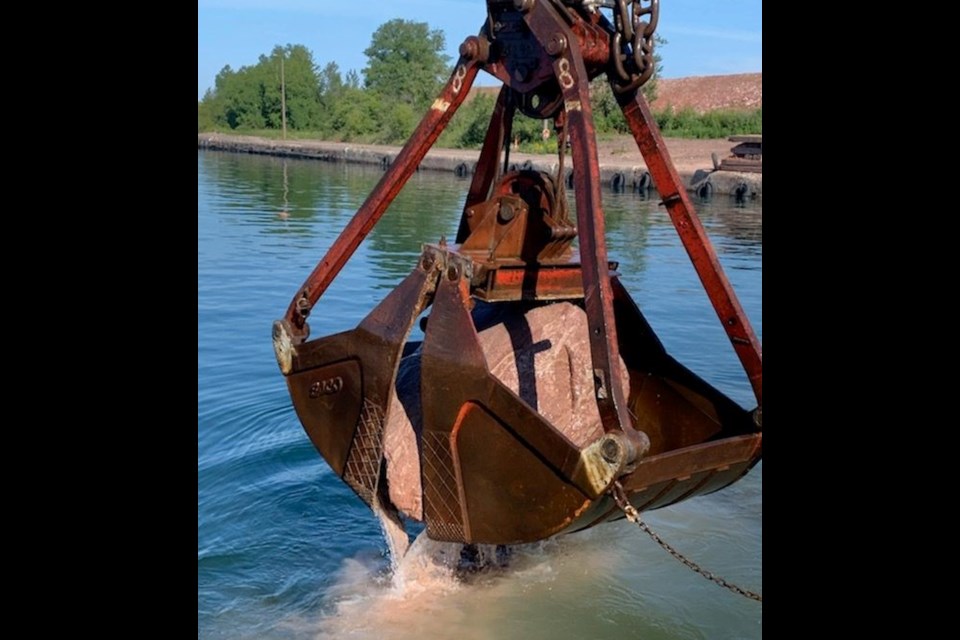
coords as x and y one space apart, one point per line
438 588
398 542
369 600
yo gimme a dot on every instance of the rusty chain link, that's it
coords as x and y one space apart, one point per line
635 22
620 497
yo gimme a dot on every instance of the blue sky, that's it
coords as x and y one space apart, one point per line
705 37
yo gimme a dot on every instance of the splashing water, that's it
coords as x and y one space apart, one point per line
367 600
398 542
437 588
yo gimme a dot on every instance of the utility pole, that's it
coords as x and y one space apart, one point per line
283 96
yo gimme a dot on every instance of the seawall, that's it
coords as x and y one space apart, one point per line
621 166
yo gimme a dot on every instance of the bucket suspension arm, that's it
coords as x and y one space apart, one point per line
570 38
549 26
488 165
396 176
563 46
625 50
694 238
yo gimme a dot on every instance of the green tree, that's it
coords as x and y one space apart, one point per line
301 82
355 114
331 83
238 99
250 98
650 86
608 117
206 112
353 79
406 62
468 127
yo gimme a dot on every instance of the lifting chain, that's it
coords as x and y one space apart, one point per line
632 50
620 497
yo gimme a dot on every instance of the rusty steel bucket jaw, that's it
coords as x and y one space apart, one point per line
341 385
475 429
493 469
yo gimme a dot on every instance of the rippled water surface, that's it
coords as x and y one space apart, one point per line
285 550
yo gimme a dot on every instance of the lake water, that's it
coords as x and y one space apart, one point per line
286 550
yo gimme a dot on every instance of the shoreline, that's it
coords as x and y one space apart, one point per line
621 166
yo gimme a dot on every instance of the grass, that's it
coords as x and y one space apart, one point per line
685 123
274 134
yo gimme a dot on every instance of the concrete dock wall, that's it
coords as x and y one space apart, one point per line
618 175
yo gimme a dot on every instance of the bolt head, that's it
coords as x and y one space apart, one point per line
611 450
557 45
476 48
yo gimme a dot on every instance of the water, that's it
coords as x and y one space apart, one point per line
285 550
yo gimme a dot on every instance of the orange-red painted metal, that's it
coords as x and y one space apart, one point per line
406 162
494 470
694 237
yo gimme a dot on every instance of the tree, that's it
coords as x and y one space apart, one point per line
238 99
354 114
650 87
331 83
406 62
607 115
468 127
250 98
302 87
207 112
352 79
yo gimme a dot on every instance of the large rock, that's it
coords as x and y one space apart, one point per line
543 356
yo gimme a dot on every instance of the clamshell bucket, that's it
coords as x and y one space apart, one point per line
491 467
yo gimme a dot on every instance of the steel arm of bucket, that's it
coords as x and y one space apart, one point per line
406 162
694 237
546 24
488 165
